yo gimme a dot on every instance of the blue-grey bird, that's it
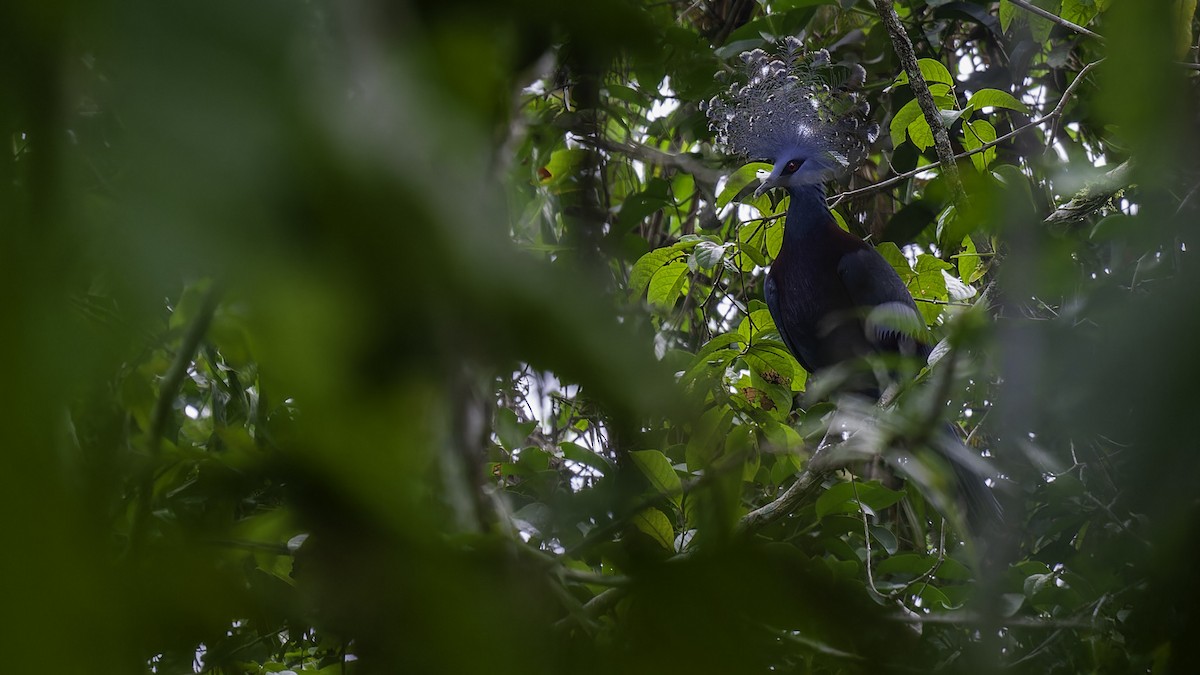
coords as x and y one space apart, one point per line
833 298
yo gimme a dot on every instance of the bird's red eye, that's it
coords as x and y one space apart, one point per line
791 167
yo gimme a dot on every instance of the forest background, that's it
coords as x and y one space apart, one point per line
428 337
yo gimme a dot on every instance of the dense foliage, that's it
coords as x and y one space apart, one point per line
429 337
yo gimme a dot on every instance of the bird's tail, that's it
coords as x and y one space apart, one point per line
983 509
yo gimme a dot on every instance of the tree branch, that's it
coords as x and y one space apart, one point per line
1093 196
941 139
1053 114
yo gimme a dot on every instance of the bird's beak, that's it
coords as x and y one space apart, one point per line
767 182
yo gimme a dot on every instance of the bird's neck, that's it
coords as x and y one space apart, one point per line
807 213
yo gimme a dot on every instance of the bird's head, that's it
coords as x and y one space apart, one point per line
798 111
801 164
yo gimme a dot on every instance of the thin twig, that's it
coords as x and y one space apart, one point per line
866 537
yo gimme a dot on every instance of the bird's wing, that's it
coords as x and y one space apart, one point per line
771 293
891 317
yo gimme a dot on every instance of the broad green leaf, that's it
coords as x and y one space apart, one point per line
774 237
885 538
994 98
645 268
719 342
896 259
580 454
666 284
738 180
511 432
931 70
658 470
1008 12
968 261
976 134
1079 12
656 524
771 361
758 320
904 117
841 222
708 255
840 498
939 89
563 164
919 131
933 598
929 263
1011 15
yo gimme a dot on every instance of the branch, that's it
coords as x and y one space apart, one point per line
1053 114
1093 196
969 618
808 480
650 155
167 392
179 367
1054 18
941 139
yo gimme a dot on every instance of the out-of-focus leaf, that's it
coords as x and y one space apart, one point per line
656 524
658 470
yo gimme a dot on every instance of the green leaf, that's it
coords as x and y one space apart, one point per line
976 134
774 237
903 118
658 470
919 131
719 342
896 259
645 268
1079 12
931 70
512 433
563 164
758 320
1008 12
968 261
666 284
771 360
885 538
840 498
738 180
994 98
580 454
656 524
708 254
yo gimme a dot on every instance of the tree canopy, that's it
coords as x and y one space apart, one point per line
429 337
